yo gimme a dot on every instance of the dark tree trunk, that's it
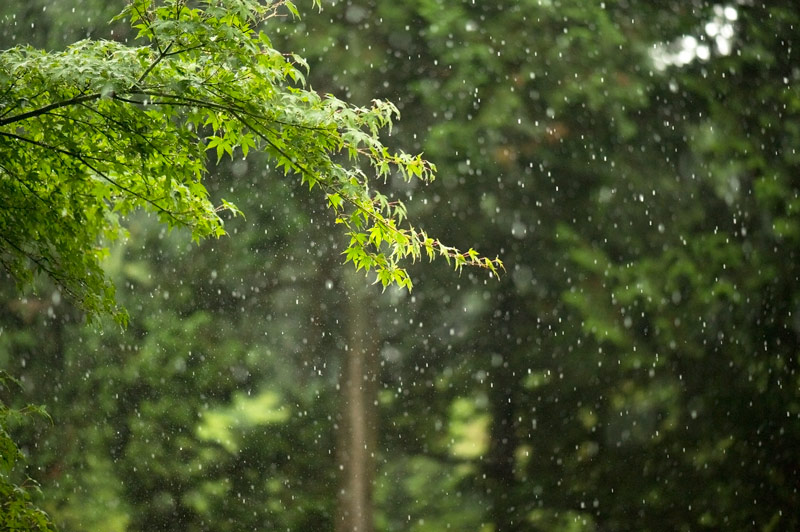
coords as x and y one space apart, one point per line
500 478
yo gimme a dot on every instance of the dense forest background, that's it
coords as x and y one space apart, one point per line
637 167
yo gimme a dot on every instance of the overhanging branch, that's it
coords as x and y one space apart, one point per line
47 108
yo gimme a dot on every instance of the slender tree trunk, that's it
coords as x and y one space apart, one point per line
500 461
358 414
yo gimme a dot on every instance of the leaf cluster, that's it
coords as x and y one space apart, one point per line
92 133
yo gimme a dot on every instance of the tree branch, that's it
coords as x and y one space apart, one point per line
47 108
161 55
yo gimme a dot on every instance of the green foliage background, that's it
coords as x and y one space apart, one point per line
635 369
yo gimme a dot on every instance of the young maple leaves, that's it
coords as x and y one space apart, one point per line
103 128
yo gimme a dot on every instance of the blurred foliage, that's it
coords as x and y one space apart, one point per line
17 510
636 369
